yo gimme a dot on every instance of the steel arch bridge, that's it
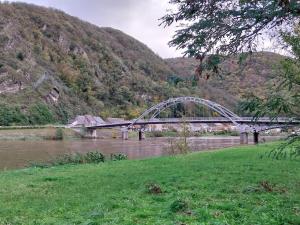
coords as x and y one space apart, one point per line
157 109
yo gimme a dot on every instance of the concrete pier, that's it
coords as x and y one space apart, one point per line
90 133
124 133
256 137
244 138
141 135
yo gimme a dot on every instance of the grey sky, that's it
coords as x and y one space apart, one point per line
138 18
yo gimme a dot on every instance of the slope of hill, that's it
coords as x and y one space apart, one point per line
72 66
54 66
256 74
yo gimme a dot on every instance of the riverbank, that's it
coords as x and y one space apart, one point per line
49 132
233 186
35 133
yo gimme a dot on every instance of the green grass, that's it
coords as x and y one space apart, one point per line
233 186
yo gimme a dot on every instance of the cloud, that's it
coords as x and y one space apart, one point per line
138 18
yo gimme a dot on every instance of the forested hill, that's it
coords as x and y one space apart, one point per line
255 74
54 66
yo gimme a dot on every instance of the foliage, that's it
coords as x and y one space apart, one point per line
94 157
11 116
118 157
37 114
179 206
40 114
213 30
220 187
78 158
227 27
284 97
59 134
287 150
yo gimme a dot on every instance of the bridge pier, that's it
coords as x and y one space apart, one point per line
124 131
244 138
255 137
90 133
141 135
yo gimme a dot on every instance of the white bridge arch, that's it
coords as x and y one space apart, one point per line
157 109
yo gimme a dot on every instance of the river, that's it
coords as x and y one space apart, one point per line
18 154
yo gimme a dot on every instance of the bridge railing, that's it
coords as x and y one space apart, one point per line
246 119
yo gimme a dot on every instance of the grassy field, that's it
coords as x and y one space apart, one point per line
232 186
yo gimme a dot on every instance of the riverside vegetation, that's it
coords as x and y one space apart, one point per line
79 158
233 186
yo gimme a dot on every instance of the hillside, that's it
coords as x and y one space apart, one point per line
256 74
54 66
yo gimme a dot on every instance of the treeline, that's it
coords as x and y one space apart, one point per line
38 114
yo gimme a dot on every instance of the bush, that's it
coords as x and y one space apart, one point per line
94 157
40 114
59 134
179 206
118 157
12 116
79 158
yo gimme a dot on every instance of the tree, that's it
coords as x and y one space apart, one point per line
285 97
211 30
226 27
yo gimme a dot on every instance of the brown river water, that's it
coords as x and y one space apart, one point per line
18 153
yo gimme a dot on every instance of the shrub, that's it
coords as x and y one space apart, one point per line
40 114
94 157
59 134
78 158
118 157
179 206
12 116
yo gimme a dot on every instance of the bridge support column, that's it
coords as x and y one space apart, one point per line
244 138
141 135
255 137
124 133
90 133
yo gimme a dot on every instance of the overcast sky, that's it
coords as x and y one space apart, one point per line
138 18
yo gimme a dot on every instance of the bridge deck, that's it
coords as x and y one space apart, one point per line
243 120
